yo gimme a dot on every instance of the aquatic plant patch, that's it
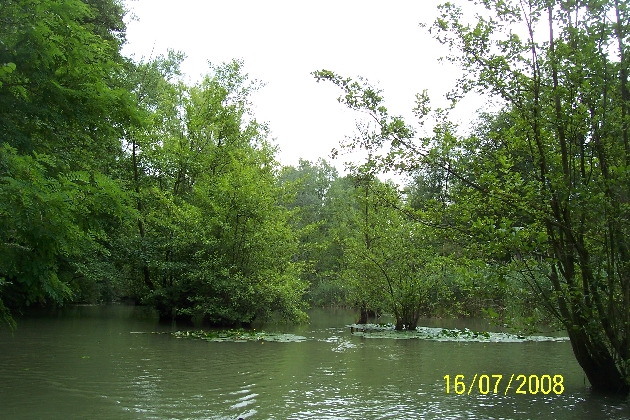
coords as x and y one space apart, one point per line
239 335
366 331
443 334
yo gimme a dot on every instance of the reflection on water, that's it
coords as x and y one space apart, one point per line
86 363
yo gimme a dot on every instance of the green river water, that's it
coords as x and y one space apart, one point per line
104 362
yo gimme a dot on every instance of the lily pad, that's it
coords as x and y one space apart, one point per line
443 334
239 336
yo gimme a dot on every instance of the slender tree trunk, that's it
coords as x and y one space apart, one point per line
145 267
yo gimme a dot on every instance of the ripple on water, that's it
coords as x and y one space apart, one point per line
244 397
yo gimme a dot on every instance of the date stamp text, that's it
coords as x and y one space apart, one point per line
496 384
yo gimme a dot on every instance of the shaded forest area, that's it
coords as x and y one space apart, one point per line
120 181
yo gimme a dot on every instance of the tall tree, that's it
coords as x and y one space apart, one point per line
63 112
557 188
213 239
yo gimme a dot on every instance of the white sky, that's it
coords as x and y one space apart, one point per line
282 42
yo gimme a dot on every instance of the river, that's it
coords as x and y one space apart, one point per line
105 362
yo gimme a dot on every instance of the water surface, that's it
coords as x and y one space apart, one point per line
103 362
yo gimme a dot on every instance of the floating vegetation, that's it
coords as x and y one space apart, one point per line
443 334
239 335
366 331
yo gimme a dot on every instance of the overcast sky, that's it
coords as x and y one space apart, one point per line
282 42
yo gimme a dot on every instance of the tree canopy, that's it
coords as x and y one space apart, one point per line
545 178
118 180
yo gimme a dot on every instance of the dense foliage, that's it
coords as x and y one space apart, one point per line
61 121
118 180
542 184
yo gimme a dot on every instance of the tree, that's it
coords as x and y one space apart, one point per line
309 189
391 263
556 190
213 239
63 112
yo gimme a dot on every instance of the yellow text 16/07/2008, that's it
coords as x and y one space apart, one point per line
494 384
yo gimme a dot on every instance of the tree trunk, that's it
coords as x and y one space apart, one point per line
408 321
598 365
363 318
136 179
